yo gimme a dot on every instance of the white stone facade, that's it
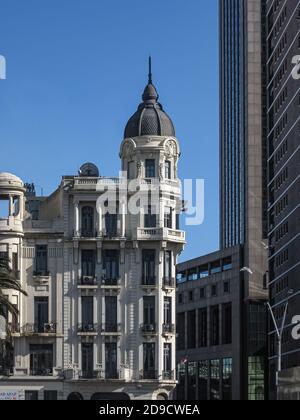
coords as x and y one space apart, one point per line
100 312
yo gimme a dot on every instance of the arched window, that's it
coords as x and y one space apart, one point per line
74 396
87 221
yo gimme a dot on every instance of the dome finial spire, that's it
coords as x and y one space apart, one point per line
150 70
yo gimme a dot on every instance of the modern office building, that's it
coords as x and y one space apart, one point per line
243 201
99 319
214 334
283 99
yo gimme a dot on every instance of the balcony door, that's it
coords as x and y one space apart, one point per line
111 313
111 265
167 310
87 221
149 360
87 308
41 313
149 311
111 368
88 260
87 359
149 267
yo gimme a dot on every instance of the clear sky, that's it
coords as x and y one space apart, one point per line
76 70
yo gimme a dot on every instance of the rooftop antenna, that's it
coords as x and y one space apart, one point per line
150 70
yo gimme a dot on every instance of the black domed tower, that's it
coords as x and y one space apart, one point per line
150 118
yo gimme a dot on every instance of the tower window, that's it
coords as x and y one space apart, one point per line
168 169
150 168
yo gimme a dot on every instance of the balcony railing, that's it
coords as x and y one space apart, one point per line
88 281
41 371
90 374
148 328
169 329
160 234
36 328
86 233
149 374
169 282
86 328
44 273
110 328
148 281
110 282
168 375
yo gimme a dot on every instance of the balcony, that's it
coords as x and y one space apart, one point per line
111 329
160 234
87 234
47 329
169 283
88 282
149 281
148 329
108 283
41 371
40 274
87 329
149 374
93 374
168 375
168 329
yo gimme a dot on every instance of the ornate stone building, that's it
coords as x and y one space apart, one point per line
99 319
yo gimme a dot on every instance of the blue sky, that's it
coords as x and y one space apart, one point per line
76 70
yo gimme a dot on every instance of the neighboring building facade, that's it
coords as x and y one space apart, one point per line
243 203
213 335
283 93
99 319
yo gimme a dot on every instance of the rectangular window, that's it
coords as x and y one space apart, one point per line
214 319
41 313
149 218
203 271
168 265
150 168
149 267
15 264
203 380
191 329
88 262
168 218
111 361
227 323
181 330
111 225
227 379
192 378
149 361
41 359
168 173
167 361
31 395
111 313
149 312
87 313
167 310
50 395
111 265
202 293
202 325
87 360
215 380
41 259
130 170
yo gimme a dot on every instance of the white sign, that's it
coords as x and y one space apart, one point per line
296 329
9 395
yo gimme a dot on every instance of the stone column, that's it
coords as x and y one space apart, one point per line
76 219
